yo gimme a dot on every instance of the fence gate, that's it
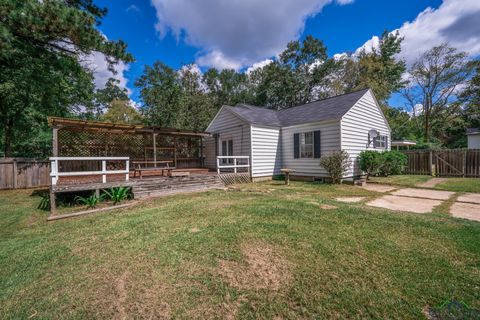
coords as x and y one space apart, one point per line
444 163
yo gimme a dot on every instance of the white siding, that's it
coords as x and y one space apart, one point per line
473 141
266 151
329 141
228 126
361 118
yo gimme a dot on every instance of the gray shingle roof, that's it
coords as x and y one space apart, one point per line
473 130
327 109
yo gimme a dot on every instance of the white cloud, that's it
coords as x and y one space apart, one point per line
235 34
133 8
98 64
218 60
456 22
258 65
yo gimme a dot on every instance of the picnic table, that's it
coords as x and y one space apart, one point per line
140 166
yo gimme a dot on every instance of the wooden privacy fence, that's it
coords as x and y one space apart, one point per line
444 163
17 173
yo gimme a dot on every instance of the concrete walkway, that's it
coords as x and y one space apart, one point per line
418 200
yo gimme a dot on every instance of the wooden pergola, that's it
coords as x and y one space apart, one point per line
84 138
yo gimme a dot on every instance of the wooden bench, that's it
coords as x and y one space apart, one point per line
152 166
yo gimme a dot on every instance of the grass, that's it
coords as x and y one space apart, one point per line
258 251
451 184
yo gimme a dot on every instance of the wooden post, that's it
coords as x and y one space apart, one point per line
154 150
464 164
430 162
55 142
97 193
53 205
127 168
175 152
15 173
202 164
287 178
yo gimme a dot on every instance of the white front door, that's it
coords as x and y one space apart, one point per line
227 150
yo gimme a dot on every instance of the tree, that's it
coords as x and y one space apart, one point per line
300 75
470 97
104 97
378 70
434 82
40 71
161 93
121 111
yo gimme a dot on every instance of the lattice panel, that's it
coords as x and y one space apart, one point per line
136 146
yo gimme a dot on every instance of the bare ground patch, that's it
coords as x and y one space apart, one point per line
264 268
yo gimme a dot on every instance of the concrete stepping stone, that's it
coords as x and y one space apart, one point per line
424 193
397 203
378 187
470 197
463 210
350 199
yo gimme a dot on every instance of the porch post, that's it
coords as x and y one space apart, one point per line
201 153
175 152
154 149
55 142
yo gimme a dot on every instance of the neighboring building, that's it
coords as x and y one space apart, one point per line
297 137
473 136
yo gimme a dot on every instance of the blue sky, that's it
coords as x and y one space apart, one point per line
239 34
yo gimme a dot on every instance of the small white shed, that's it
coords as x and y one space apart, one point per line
473 137
297 137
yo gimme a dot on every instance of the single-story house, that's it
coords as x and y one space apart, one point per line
296 138
473 137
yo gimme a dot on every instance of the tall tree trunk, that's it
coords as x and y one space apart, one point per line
7 138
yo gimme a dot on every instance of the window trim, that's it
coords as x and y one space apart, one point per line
380 141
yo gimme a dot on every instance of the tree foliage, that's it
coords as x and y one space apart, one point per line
42 43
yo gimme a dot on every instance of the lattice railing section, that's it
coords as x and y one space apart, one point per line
137 146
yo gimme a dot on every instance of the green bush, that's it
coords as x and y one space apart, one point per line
394 162
370 162
117 195
91 202
382 163
336 163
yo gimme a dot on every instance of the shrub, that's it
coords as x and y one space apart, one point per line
394 162
336 163
371 162
91 201
117 195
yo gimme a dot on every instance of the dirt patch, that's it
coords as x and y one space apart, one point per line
225 310
322 205
194 230
470 198
432 183
264 268
378 187
121 293
424 193
327 207
415 205
350 199
463 210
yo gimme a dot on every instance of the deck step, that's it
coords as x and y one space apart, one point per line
157 187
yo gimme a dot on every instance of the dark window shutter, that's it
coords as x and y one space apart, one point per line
296 145
316 144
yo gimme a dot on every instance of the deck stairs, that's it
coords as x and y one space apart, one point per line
161 186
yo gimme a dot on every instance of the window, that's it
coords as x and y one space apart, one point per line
380 142
306 145
227 150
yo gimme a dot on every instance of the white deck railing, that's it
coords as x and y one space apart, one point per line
55 174
235 163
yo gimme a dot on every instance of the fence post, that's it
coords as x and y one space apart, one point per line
218 165
15 172
430 162
464 164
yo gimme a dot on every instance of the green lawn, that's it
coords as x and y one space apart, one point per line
261 251
452 184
